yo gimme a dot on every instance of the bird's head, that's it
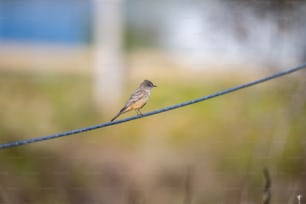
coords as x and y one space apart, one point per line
149 84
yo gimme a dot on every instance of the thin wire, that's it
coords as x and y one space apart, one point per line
89 128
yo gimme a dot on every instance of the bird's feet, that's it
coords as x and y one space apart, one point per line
139 113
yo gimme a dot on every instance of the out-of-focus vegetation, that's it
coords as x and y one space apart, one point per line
211 152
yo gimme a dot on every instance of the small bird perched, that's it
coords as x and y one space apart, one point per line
138 99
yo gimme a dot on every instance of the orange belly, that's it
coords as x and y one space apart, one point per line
138 104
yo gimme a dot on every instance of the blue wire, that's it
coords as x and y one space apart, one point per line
89 128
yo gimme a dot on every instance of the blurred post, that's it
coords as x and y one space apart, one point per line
108 74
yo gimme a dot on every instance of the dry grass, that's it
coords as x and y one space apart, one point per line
212 152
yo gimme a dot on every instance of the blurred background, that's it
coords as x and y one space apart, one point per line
66 64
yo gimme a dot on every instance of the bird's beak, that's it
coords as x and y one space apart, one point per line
154 85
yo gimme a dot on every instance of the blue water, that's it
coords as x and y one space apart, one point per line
49 21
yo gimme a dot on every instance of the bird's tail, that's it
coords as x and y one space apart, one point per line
118 114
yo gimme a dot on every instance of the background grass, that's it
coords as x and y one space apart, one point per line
219 147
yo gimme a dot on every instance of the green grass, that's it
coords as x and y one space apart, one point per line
225 139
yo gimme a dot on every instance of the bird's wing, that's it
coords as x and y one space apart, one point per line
136 96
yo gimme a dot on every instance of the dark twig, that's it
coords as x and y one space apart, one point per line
267 190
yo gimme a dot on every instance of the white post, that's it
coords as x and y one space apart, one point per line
108 74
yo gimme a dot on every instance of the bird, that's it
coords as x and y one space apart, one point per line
138 99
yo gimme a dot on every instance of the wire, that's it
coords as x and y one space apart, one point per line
89 128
